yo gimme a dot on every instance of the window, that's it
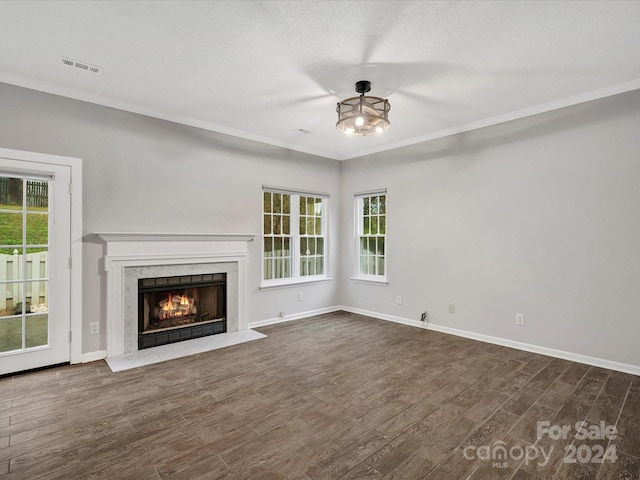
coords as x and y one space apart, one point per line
294 236
371 234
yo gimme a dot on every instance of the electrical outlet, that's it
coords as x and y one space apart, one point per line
399 299
94 328
300 296
424 317
520 319
452 308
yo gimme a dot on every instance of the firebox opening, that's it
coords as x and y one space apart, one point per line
172 309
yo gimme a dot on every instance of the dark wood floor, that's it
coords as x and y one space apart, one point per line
337 396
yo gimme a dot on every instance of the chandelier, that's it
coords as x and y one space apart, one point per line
363 115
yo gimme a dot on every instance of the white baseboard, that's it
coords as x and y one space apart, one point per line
295 316
574 357
93 356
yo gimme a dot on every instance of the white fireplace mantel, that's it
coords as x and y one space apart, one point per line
131 256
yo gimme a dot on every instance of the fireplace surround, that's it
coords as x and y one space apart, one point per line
131 257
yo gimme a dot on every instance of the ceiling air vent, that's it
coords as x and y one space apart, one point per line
81 65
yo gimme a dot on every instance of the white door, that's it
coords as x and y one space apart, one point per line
35 245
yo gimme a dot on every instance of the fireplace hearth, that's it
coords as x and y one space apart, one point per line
177 308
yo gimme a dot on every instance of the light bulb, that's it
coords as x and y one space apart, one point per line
378 129
349 131
359 121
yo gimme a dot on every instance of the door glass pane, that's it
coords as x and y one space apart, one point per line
10 229
37 196
24 298
36 297
37 229
11 298
36 333
11 192
10 334
36 263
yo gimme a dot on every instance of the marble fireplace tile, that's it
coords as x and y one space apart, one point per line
171 351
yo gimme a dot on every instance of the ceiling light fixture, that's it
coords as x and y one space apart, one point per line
363 115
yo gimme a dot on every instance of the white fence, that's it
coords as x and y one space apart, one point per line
11 268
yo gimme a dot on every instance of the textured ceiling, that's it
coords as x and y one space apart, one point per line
273 71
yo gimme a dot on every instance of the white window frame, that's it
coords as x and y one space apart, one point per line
294 212
358 233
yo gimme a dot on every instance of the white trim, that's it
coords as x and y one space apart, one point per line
505 117
173 117
371 193
180 237
295 238
75 165
295 316
358 235
573 357
294 191
294 283
150 112
372 281
94 356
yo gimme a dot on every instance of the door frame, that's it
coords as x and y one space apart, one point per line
75 164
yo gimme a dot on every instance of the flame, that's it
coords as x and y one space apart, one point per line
176 306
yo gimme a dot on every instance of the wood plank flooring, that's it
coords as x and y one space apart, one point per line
337 396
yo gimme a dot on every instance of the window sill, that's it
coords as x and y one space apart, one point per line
371 280
293 283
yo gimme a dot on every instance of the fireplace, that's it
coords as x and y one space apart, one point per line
131 257
177 308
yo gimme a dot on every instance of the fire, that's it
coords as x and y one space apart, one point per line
177 306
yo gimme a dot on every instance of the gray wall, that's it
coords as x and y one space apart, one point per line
147 175
537 216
